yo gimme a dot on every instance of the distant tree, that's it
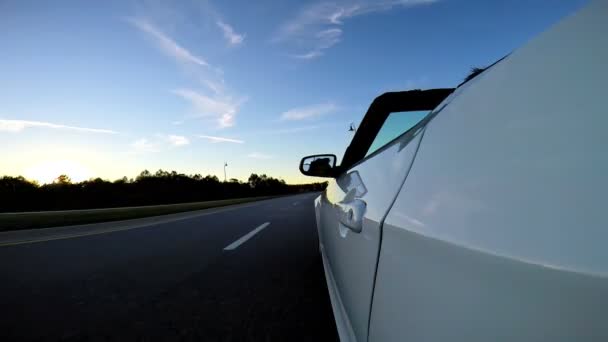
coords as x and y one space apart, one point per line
63 179
162 174
122 180
211 179
253 180
162 187
143 174
16 184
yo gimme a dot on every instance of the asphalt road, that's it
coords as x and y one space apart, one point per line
174 280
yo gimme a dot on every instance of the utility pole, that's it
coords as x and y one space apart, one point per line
225 164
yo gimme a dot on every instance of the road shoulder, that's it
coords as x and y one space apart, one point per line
17 237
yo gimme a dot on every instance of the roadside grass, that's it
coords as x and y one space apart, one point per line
45 219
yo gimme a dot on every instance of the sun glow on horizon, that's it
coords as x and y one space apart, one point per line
46 172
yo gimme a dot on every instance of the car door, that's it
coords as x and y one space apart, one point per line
351 211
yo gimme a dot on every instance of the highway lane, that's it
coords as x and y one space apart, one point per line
174 280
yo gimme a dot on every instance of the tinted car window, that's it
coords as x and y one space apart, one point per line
396 124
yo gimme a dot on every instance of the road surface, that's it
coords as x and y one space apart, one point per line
245 272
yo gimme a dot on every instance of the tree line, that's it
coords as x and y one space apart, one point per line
161 187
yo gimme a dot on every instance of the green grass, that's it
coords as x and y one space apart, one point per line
44 219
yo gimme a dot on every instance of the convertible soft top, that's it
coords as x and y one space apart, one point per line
378 112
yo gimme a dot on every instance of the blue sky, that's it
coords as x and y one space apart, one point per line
131 85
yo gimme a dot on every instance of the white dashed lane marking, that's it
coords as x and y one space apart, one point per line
246 237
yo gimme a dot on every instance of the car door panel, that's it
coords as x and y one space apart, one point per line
367 189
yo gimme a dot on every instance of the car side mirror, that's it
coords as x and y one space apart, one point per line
320 165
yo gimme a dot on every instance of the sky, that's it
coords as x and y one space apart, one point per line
112 89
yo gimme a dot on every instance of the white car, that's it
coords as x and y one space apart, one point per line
478 214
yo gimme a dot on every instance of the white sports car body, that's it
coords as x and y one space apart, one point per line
478 214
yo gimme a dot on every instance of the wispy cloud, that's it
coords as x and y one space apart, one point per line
231 36
217 87
145 145
320 128
159 142
178 140
323 40
216 101
223 110
166 43
309 55
257 155
316 27
220 139
20 125
308 112
293 130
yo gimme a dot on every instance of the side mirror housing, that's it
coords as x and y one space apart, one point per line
320 165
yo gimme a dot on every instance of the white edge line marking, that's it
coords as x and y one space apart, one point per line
246 237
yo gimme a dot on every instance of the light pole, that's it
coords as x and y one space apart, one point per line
225 164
